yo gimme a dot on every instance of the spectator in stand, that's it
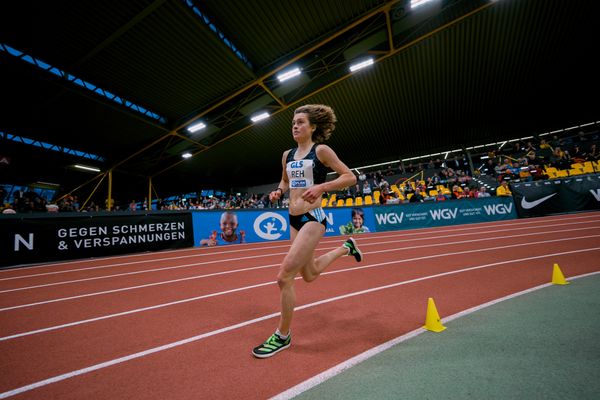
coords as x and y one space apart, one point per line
503 190
530 148
556 142
440 196
416 197
482 192
467 193
457 193
393 198
592 154
490 167
577 154
366 188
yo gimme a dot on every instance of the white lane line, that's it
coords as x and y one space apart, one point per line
178 343
52 328
344 366
247 269
375 235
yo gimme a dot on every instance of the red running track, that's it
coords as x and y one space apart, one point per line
181 324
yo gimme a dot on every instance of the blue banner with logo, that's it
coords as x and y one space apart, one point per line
422 215
224 227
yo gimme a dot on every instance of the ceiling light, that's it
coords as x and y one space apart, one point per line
196 127
417 3
361 65
186 155
284 76
86 168
260 117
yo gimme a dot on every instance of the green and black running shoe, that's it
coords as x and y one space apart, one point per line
272 346
350 244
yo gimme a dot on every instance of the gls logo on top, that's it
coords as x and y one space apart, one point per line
270 226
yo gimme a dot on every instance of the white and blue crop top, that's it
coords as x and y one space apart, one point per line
306 172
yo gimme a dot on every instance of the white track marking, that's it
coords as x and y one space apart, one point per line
178 343
336 370
51 328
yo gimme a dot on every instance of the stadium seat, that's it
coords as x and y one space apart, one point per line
359 201
376 195
368 200
563 173
349 202
332 200
324 202
340 203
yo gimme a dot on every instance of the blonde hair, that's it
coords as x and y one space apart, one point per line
322 117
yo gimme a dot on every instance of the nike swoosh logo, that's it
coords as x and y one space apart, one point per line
530 204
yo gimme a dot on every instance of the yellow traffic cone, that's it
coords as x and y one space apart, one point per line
432 320
557 276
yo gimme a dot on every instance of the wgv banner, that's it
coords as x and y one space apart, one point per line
577 193
35 239
223 227
422 215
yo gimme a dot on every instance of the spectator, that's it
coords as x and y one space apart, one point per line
503 190
416 197
366 188
457 192
482 193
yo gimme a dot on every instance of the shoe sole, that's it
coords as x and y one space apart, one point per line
360 254
271 354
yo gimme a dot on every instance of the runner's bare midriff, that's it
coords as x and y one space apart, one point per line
299 206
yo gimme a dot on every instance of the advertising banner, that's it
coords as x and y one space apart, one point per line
40 239
223 227
423 215
577 193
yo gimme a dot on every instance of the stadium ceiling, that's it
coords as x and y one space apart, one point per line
123 81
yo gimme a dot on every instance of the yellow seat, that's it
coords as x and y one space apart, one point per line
562 173
368 200
349 202
376 195
359 201
394 187
575 171
588 169
408 196
433 193
340 203
324 202
332 200
577 166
